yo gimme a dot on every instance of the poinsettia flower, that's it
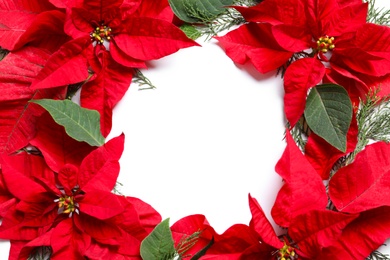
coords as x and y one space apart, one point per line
73 210
333 32
307 235
110 38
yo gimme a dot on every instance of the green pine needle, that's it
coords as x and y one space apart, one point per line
376 255
142 80
211 26
186 243
376 15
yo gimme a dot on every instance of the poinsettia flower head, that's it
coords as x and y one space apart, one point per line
348 50
73 210
108 40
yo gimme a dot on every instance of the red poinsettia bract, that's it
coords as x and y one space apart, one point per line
73 210
333 38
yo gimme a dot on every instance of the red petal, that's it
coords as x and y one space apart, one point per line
148 38
317 13
300 76
286 12
12 227
292 38
103 93
187 226
102 9
18 16
344 20
323 156
303 190
100 204
355 59
155 9
262 226
43 240
66 66
255 42
148 217
14 179
67 242
233 242
122 58
46 32
17 70
364 184
317 229
67 176
362 236
101 231
56 146
374 39
94 172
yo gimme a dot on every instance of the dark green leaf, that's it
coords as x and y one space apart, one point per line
328 113
198 11
80 123
159 244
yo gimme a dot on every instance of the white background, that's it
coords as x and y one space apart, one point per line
209 134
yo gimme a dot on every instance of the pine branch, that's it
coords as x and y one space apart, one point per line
142 80
211 26
373 119
376 15
376 255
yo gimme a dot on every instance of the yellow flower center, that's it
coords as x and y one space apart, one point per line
66 205
286 253
100 34
325 44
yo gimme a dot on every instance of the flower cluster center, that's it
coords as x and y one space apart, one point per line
101 33
325 44
286 253
66 205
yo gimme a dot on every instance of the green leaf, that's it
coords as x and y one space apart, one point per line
328 113
198 11
159 244
80 123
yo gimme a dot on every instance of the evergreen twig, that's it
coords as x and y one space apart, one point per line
142 80
211 26
376 255
377 15
186 243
